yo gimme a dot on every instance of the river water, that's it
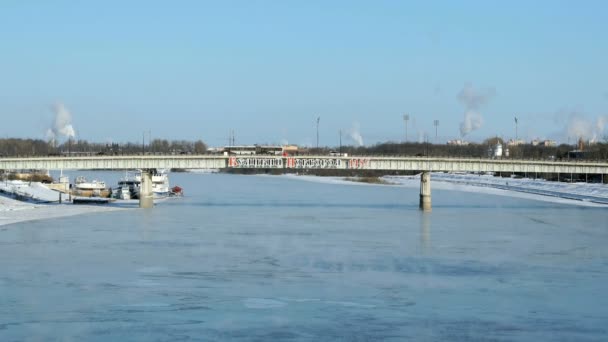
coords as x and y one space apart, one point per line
273 258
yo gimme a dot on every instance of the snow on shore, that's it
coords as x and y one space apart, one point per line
30 191
582 194
13 211
591 192
41 203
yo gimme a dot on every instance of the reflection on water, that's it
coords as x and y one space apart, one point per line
425 231
268 258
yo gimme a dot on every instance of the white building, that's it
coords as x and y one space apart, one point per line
458 142
517 142
550 143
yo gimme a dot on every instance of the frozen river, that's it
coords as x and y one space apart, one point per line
275 258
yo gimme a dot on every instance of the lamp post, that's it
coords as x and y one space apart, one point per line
318 119
406 118
340 142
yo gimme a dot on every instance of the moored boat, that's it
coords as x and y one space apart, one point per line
132 182
176 191
94 188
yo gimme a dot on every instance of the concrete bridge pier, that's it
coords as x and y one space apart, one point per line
146 197
425 191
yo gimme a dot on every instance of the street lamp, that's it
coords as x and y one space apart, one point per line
318 119
340 142
406 118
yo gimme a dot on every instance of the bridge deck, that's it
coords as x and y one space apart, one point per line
303 162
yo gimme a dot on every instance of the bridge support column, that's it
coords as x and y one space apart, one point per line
146 199
425 191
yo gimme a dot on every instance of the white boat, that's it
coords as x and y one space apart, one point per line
83 184
132 182
160 184
122 192
89 188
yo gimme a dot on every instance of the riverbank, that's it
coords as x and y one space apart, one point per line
580 194
13 211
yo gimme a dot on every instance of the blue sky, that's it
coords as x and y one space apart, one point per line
268 69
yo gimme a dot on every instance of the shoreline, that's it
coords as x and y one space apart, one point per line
466 183
578 194
13 211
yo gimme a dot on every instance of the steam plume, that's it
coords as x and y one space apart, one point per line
62 125
580 126
355 135
473 100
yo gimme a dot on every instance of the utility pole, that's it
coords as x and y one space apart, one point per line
231 138
340 142
436 123
318 119
143 142
406 118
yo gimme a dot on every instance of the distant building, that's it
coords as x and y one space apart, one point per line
290 149
458 142
495 152
272 150
545 143
517 142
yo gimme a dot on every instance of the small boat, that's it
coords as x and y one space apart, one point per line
83 184
94 188
132 182
122 192
176 191
160 184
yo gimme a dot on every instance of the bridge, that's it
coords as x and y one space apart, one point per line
425 165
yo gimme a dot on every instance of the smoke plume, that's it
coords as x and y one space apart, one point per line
473 100
355 135
62 125
579 126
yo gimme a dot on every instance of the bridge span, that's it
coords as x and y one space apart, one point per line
420 164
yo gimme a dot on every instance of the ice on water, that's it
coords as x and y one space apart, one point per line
271 258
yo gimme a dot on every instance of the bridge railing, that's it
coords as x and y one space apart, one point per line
157 154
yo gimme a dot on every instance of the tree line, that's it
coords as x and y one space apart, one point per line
38 147
597 151
13 147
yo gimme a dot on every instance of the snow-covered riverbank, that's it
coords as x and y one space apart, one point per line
30 191
13 211
582 194
37 202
